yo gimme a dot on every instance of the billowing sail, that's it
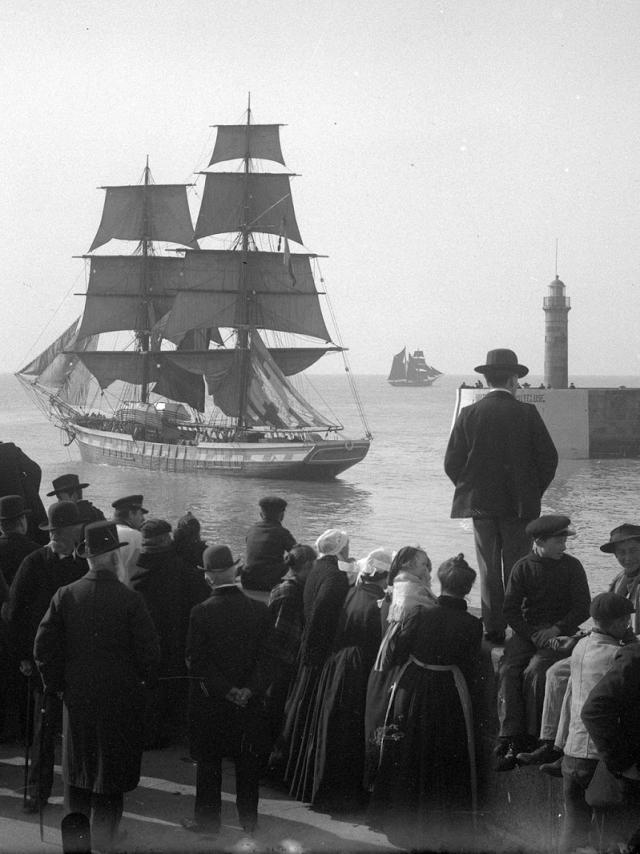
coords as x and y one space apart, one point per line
398 369
235 142
271 399
145 212
258 201
211 290
60 372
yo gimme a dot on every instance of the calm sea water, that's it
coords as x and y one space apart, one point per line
398 495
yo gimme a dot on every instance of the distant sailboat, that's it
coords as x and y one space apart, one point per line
199 317
412 369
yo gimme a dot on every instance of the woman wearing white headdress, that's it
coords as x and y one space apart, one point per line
324 593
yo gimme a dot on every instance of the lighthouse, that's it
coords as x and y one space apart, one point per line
556 350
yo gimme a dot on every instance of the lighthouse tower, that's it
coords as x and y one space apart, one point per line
556 353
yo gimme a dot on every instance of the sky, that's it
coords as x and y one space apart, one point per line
442 147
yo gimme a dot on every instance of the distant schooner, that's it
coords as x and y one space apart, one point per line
412 370
200 319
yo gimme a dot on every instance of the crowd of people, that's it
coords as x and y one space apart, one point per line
350 683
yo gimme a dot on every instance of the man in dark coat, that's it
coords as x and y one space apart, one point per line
501 460
20 475
67 487
267 542
231 654
170 589
14 547
95 646
40 574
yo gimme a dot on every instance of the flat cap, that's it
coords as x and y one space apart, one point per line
607 607
131 502
550 526
152 528
273 502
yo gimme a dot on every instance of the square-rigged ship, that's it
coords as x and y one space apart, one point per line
200 319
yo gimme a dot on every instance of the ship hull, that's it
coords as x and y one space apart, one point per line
413 383
319 460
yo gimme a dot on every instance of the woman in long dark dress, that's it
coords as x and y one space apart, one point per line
424 793
409 589
333 777
324 593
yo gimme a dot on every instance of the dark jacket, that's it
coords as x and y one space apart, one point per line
170 590
264 566
324 594
500 458
542 592
96 644
610 713
40 574
20 475
229 645
14 548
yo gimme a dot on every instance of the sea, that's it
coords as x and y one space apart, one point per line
399 495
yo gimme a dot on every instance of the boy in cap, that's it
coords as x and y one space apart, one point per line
590 660
267 541
547 596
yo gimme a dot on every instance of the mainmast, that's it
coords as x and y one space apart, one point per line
245 308
144 334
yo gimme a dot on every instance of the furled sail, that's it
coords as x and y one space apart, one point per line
233 142
271 399
212 285
60 372
145 212
398 369
259 201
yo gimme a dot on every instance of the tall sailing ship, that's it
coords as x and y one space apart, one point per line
412 369
233 325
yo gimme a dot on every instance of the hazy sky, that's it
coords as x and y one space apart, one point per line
442 147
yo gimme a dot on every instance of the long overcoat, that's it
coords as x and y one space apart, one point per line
96 644
229 645
500 458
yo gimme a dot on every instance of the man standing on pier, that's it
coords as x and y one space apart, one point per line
501 460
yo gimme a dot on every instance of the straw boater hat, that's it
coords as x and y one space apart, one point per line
100 538
620 535
12 507
66 483
502 360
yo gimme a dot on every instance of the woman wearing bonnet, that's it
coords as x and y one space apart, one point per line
409 589
324 594
425 786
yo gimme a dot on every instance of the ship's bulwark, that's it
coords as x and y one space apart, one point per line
319 460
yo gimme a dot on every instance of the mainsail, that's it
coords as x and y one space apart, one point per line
202 321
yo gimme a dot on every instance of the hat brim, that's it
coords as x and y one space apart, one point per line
81 552
47 527
519 370
71 488
222 568
25 512
610 547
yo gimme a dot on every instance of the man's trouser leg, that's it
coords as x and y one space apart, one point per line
248 765
556 680
514 542
533 686
489 556
105 820
208 793
511 706
45 727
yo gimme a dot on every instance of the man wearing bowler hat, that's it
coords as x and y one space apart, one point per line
501 460
40 574
94 648
231 654
67 487
128 514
